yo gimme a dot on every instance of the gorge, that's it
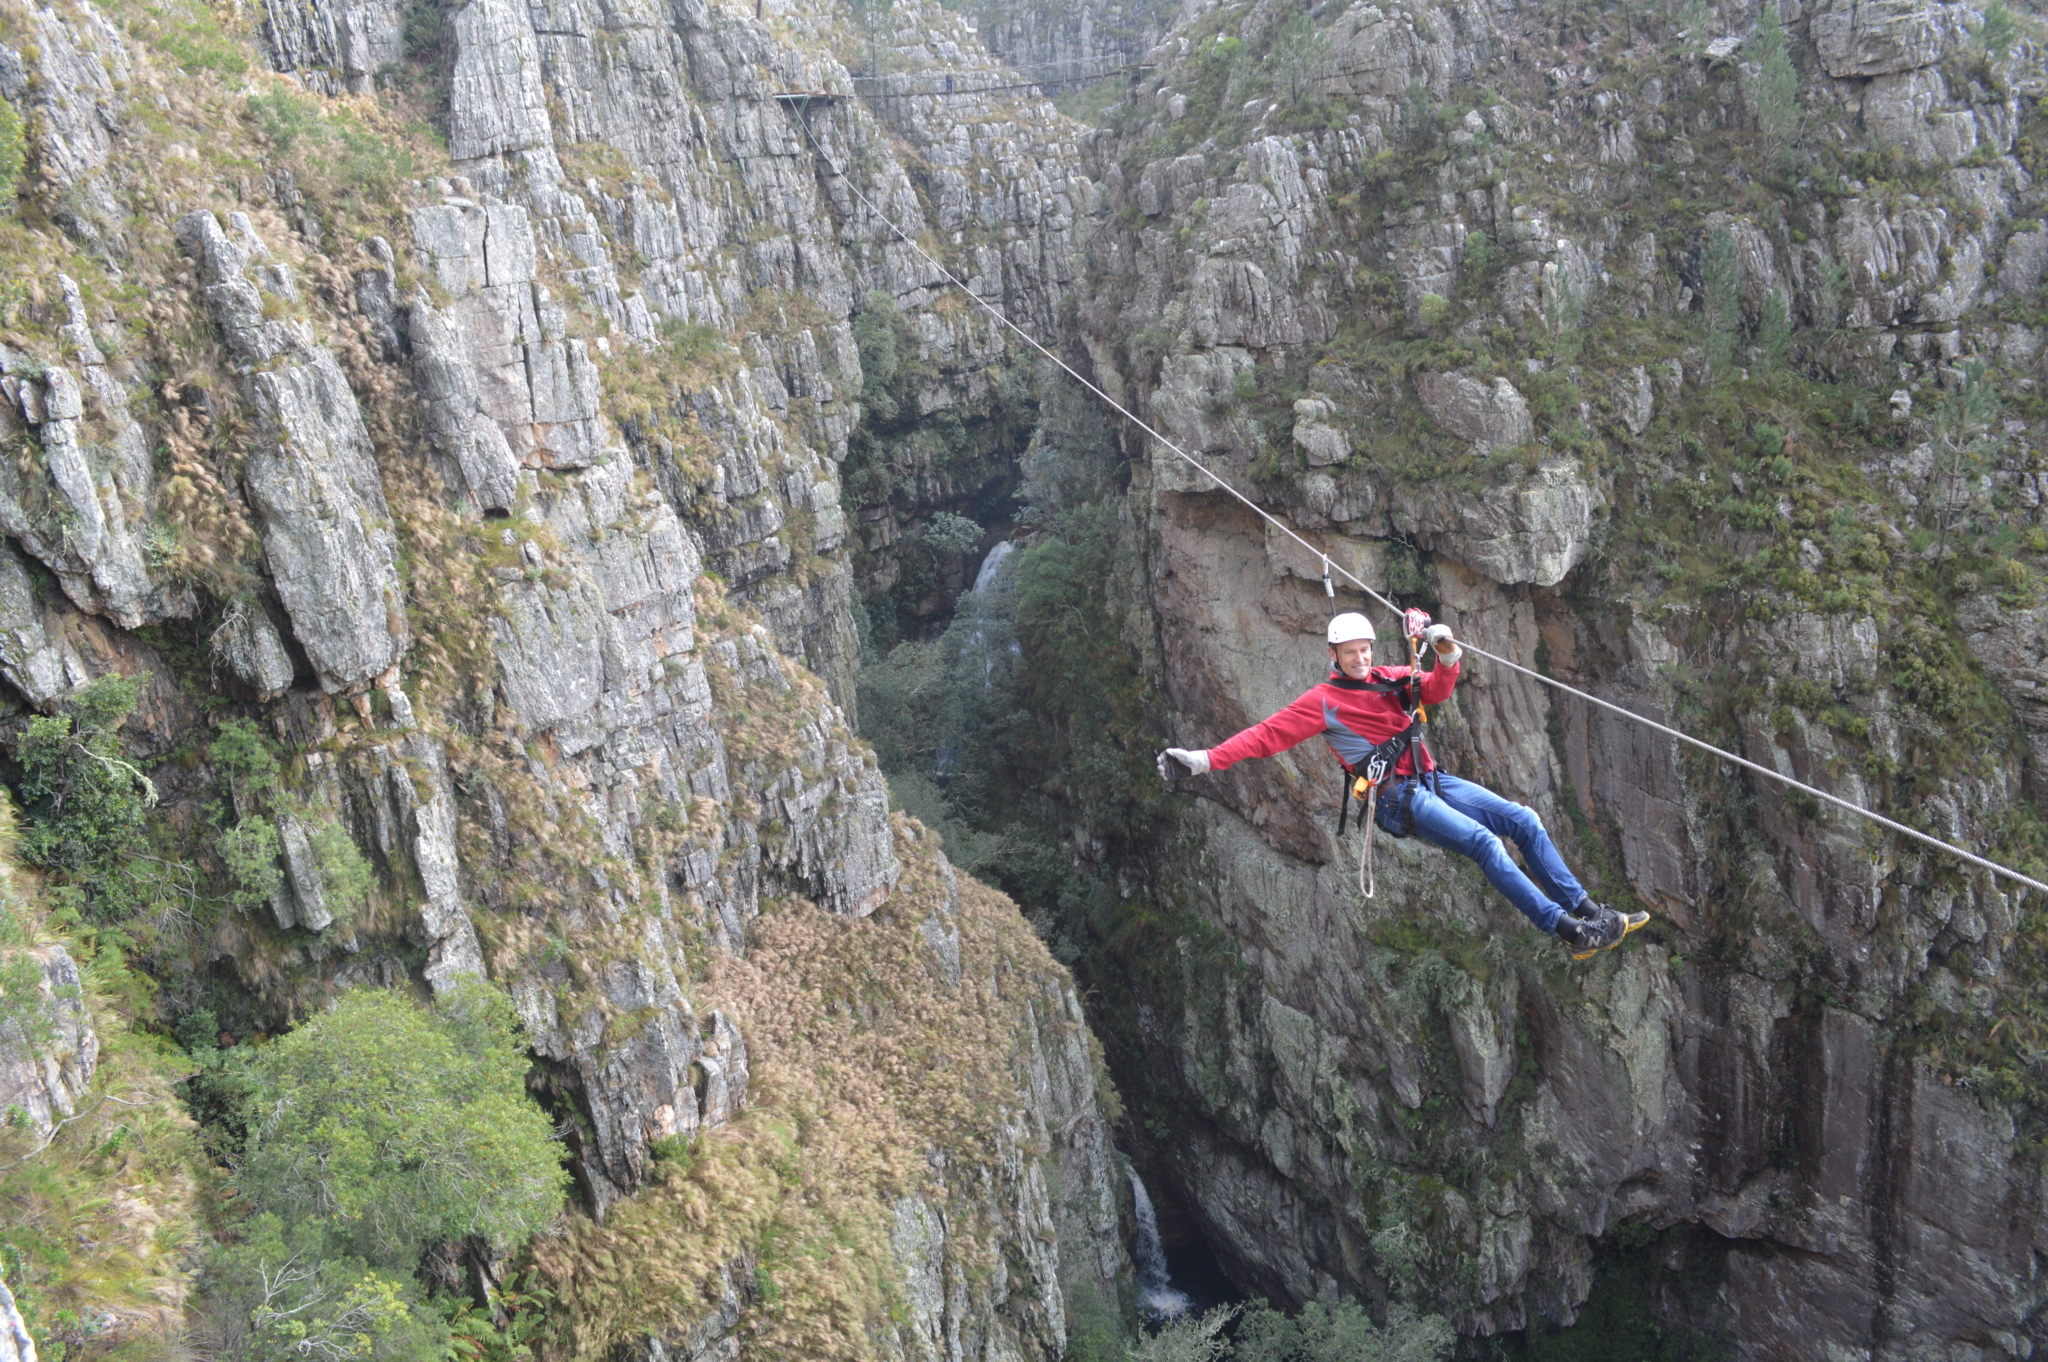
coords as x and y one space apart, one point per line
496 506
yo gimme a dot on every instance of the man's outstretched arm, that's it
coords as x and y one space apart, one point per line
1295 724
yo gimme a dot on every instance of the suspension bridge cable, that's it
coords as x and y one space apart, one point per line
1745 763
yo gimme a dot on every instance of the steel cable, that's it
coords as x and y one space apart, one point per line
1328 566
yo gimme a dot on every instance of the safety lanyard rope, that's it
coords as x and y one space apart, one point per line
1745 763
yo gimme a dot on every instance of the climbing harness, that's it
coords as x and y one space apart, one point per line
1363 779
1971 857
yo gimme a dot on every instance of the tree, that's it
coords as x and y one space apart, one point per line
277 1299
1564 311
1342 1333
250 843
1778 112
1965 442
393 1127
946 532
873 17
1999 30
1194 1338
85 801
1296 58
1320 1333
1720 297
1478 261
1774 333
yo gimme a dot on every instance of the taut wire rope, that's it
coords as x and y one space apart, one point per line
1971 857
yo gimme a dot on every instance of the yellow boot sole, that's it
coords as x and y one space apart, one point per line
1629 922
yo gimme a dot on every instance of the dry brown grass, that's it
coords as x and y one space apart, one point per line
865 1067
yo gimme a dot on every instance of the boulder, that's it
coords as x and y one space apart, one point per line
48 1051
1881 37
1484 415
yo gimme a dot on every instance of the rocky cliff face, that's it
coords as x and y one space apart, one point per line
1494 306
498 478
505 406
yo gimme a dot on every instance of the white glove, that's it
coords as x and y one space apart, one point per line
1176 760
1438 636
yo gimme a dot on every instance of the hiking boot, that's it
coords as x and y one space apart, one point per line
1593 927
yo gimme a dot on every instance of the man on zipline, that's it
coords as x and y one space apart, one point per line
1368 716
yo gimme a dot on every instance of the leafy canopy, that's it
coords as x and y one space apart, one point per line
396 1127
1320 1333
275 1299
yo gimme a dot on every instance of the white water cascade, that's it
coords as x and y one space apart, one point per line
992 564
1155 1287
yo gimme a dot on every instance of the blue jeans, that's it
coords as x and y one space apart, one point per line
1471 820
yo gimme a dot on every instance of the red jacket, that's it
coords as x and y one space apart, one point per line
1352 721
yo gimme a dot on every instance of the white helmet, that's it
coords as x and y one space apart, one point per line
1350 626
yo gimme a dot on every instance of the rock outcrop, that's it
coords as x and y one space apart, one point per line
48 1048
16 1344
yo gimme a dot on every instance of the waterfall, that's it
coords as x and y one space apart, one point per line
978 602
1155 1286
991 565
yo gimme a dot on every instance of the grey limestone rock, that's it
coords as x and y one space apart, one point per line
303 880
496 103
1323 443
78 516
312 478
335 48
1533 530
79 67
46 1068
1485 415
37 654
16 1343
502 382
1882 37
443 926
249 646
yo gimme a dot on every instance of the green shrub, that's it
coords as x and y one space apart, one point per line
243 759
284 118
391 1127
1478 258
1341 1333
1295 58
946 532
85 801
1999 30
13 151
250 851
891 371
345 873
1320 1333
1774 333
